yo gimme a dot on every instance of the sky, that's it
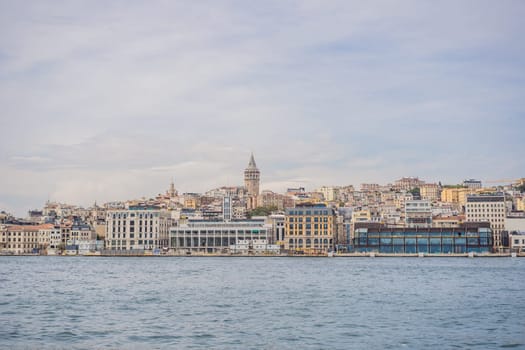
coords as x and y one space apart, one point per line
111 100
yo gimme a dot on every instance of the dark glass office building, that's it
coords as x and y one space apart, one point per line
473 237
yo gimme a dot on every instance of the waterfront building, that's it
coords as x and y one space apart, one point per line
49 236
490 208
137 228
310 228
469 237
276 223
198 236
65 232
256 246
82 232
20 239
418 213
252 177
343 225
515 221
517 241
55 241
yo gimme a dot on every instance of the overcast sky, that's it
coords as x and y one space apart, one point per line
109 100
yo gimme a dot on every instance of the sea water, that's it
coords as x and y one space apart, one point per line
261 303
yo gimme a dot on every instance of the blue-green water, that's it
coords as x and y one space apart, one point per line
262 303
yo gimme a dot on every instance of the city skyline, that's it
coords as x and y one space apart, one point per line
109 102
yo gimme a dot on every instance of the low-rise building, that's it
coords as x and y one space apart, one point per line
215 236
517 241
468 237
256 246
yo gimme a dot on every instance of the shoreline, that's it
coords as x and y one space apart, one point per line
340 255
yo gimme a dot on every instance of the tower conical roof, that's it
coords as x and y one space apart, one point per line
252 164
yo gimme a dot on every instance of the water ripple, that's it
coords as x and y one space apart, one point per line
243 303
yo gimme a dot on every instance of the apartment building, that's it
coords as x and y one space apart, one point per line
137 228
489 208
310 228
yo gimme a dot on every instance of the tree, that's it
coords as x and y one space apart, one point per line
415 192
262 211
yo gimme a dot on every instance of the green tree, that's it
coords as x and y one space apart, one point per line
262 211
416 192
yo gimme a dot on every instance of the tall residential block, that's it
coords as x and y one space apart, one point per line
488 208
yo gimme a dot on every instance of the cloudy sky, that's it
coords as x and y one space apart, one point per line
109 100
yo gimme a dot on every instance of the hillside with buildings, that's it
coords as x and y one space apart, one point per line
407 216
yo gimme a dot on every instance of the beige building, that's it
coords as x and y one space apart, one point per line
456 195
272 199
24 239
520 204
310 229
361 216
429 192
407 183
447 221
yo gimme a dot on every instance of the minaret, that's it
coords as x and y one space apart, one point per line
251 178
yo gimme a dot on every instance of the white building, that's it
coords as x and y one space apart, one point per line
517 241
488 208
215 236
277 231
418 213
137 228
515 223
256 246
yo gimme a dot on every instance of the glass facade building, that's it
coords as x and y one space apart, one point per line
470 237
